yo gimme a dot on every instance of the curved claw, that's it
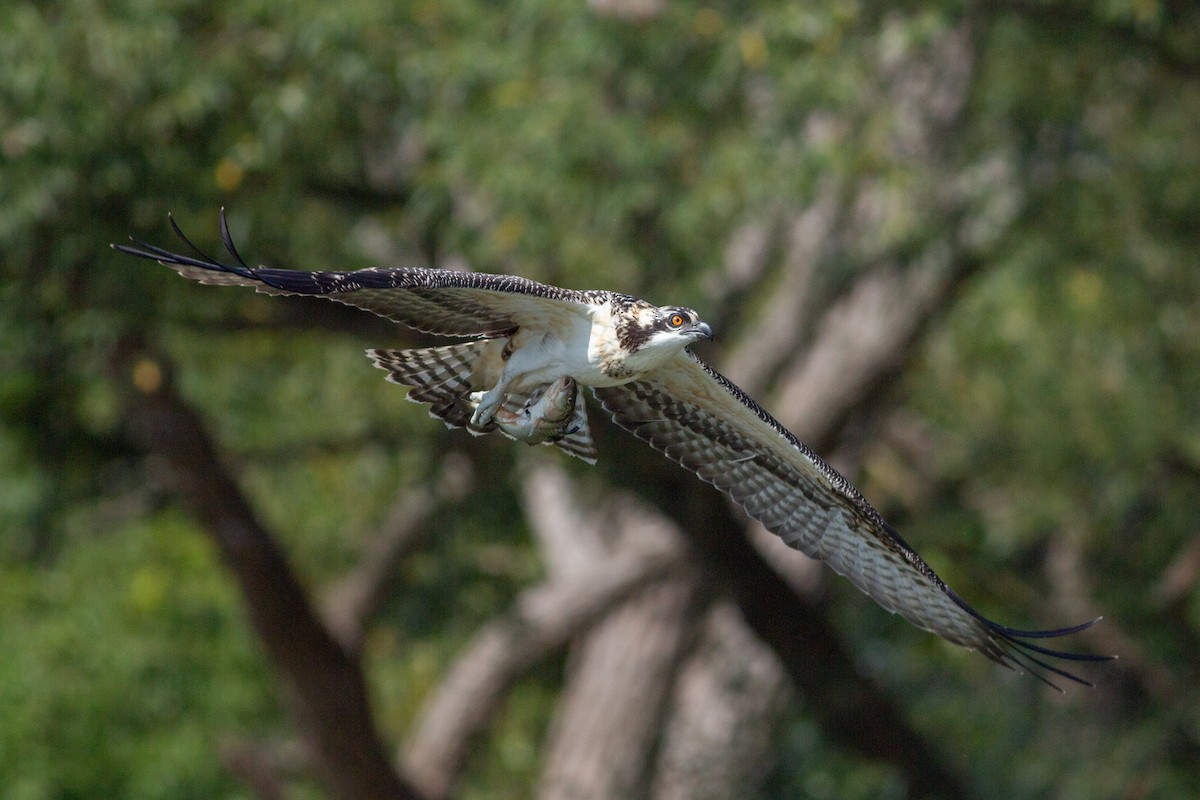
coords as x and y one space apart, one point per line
486 410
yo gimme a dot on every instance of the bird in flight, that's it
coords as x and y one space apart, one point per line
528 349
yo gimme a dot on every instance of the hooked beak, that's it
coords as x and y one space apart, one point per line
704 330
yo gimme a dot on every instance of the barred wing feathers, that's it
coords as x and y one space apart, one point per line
443 376
444 302
703 421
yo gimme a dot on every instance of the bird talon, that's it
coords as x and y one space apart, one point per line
483 414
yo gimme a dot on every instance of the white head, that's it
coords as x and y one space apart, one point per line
664 330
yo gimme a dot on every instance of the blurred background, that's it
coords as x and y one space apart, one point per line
952 245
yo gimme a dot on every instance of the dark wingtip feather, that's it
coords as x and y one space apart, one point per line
1035 667
227 239
205 257
202 259
1012 647
1047 634
154 253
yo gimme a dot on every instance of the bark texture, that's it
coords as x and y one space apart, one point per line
726 701
603 736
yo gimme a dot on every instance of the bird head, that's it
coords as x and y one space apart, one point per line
673 328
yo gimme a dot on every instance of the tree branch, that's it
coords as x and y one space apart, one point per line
543 620
588 578
349 604
861 344
602 739
328 691
727 702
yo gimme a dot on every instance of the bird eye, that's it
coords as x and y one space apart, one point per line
676 320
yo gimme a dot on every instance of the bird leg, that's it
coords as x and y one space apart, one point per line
487 404
524 364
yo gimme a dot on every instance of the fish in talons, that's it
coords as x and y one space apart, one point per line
545 418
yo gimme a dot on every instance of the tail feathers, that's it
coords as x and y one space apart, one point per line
579 441
433 372
441 377
579 444
456 414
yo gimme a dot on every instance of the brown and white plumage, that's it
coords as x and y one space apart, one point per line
443 376
703 421
635 357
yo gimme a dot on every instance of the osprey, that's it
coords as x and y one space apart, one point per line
531 346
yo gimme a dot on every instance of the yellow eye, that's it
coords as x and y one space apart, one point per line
676 320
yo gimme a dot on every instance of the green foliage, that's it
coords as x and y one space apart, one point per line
121 662
545 139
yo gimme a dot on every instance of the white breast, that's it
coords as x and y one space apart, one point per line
542 355
585 348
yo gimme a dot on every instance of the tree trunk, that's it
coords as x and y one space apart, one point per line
326 686
727 702
606 727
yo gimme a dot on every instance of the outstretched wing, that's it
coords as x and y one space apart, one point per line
702 420
434 301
